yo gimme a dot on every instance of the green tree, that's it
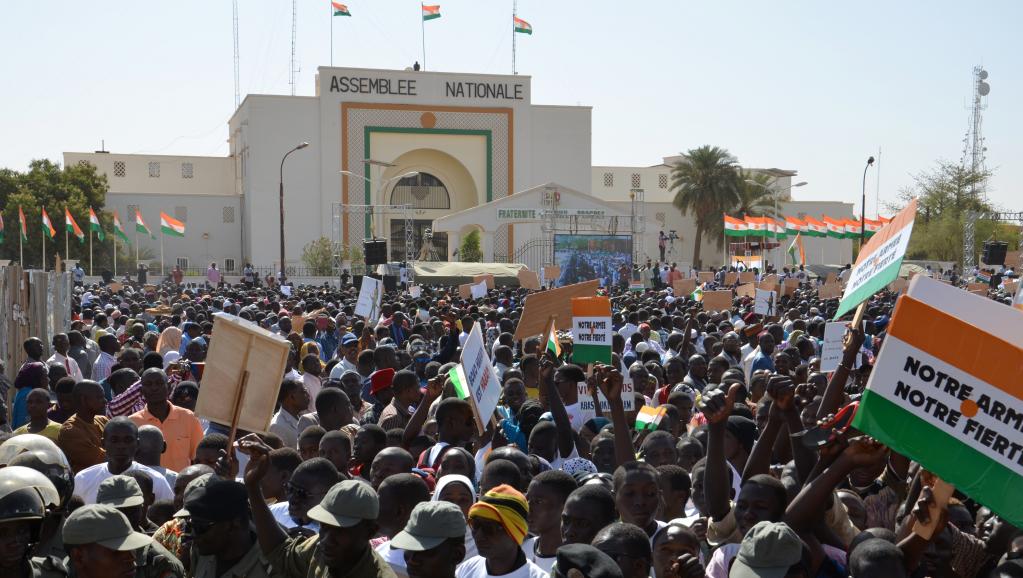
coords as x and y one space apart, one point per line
945 198
470 249
755 200
318 256
706 183
48 185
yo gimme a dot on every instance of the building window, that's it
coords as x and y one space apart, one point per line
187 170
182 262
83 163
181 214
118 168
228 214
609 180
421 191
662 181
635 180
229 265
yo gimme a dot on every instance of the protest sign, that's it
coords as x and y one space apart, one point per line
591 330
586 409
368 305
789 287
478 290
528 279
746 290
415 291
485 277
538 307
977 287
286 290
730 278
831 278
764 303
878 262
242 349
1011 287
1013 259
829 291
475 379
683 287
115 287
551 273
944 392
831 350
747 277
717 300
898 285
770 280
465 290
705 276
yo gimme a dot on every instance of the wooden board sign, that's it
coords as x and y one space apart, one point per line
238 347
829 291
465 291
746 290
557 302
705 276
898 285
528 279
1013 259
731 278
717 300
485 277
977 287
747 277
551 273
683 287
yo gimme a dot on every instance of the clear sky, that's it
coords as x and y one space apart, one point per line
808 85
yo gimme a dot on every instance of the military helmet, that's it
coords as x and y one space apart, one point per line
25 494
26 442
53 465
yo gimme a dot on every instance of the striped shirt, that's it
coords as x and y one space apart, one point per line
127 402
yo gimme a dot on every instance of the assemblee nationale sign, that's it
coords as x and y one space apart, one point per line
537 214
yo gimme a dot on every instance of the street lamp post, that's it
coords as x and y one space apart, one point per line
776 193
863 206
300 146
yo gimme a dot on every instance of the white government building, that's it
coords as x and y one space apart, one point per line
393 153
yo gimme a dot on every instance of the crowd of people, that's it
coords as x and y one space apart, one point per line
373 466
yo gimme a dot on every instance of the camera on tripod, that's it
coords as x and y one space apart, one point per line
672 235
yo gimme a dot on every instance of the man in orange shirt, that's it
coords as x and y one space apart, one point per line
180 427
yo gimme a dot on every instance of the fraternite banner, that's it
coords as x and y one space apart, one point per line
878 262
591 330
946 391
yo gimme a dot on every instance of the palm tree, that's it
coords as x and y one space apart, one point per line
754 200
706 182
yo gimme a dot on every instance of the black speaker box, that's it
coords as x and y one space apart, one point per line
375 251
994 253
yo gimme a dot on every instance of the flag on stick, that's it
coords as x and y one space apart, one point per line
648 418
48 225
140 225
340 9
431 12
119 230
72 226
796 253
24 225
735 227
171 226
552 341
521 25
94 225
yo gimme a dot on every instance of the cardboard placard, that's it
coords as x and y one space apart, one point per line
898 285
831 350
717 300
831 278
465 290
485 277
528 279
557 302
769 287
769 280
683 287
586 409
705 276
731 278
115 287
746 290
368 305
1013 259
829 291
1011 287
747 277
765 303
240 346
981 292
794 283
551 273
479 290
415 291
977 287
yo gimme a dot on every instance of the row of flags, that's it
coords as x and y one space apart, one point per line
807 226
168 226
432 12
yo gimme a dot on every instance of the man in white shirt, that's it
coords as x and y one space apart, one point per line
61 345
294 402
349 358
120 441
498 522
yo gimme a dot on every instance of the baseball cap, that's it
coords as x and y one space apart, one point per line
429 525
120 492
218 500
346 504
381 379
349 339
190 490
104 525
768 551
586 560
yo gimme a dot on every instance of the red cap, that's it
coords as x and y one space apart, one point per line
380 380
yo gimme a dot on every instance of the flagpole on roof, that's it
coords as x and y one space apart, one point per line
331 8
422 25
515 4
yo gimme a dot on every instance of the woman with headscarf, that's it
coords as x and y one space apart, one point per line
458 490
32 374
170 340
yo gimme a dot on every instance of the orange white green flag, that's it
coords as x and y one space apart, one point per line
171 226
945 392
871 226
591 330
879 260
836 227
140 225
94 224
794 226
119 229
72 227
521 26
340 9
735 227
815 228
48 225
431 12
797 256
24 224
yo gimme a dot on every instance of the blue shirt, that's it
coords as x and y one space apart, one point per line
761 361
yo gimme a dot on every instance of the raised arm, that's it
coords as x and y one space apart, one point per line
268 531
610 382
434 389
716 407
836 387
566 441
